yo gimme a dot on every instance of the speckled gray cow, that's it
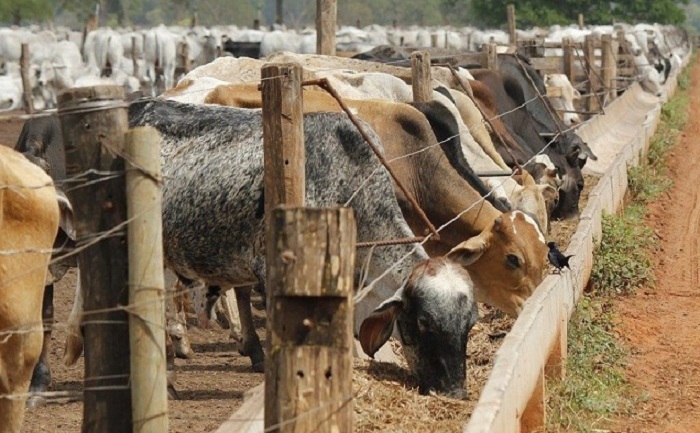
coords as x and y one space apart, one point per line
213 221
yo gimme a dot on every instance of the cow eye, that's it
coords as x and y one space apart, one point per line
424 324
513 261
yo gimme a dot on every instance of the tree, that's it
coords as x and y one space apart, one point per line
16 11
491 13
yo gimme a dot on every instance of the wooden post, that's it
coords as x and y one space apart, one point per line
149 393
326 18
283 136
358 24
580 21
278 12
609 66
534 416
401 41
93 138
421 81
26 83
256 24
489 56
568 58
513 38
555 367
433 40
185 56
134 58
308 374
195 20
593 85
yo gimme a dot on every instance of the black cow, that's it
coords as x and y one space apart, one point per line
41 142
533 122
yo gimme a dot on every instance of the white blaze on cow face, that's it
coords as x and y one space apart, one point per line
434 312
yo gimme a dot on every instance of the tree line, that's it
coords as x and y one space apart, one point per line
301 13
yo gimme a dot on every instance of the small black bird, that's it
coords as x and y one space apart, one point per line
556 258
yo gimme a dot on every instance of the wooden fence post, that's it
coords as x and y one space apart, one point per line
580 21
185 56
308 375
283 136
146 286
593 81
94 137
555 367
433 40
26 83
326 19
134 58
279 12
534 416
568 60
609 66
489 56
421 81
513 37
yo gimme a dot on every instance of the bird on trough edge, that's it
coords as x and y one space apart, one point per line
556 258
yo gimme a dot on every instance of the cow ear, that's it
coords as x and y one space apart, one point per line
66 215
548 192
468 251
378 326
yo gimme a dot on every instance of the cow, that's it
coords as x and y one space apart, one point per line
160 52
229 203
528 117
563 102
29 220
40 141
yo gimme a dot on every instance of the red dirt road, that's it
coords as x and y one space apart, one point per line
662 325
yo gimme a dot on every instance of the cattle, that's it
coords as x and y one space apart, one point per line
160 51
41 143
433 344
528 117
212 163
29 219
232 144
563 102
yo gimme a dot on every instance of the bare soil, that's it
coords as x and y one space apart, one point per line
662 324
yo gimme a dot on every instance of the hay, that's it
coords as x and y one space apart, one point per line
386 395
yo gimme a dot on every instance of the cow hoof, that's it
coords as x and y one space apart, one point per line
36 401
172 393
183 350
259 367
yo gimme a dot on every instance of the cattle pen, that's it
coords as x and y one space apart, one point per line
308 378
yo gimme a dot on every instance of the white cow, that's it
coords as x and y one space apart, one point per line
160 50
563 103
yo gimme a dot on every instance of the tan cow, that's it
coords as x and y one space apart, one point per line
29 218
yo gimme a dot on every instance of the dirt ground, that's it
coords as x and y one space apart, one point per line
212 384
662 324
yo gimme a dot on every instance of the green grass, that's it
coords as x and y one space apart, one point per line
595 389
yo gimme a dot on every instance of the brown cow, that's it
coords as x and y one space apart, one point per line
29 218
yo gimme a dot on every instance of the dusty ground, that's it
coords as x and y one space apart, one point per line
662 324
211 386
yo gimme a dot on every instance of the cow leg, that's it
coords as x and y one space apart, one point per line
41 376
74 339
170 374
232 309
251 346
175 324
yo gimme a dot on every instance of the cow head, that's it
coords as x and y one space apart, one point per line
534 199
433 312
505 261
